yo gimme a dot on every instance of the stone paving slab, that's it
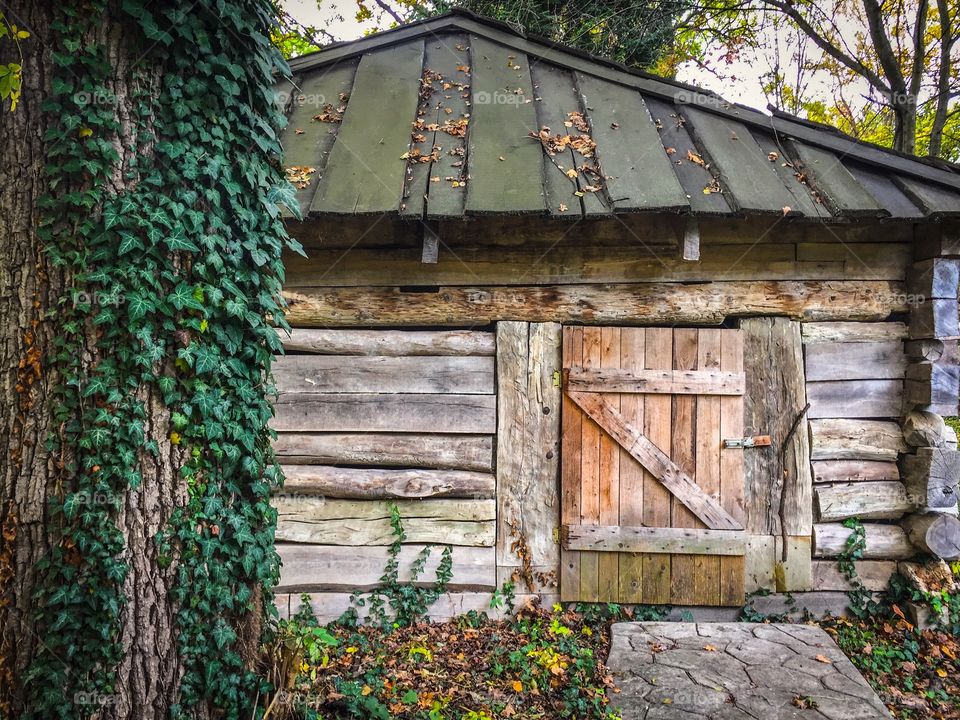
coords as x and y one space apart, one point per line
735 671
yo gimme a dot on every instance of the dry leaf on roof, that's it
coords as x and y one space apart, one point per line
773 156
299 175
571 173
579 121
671 150
696 158
712 187
562 208
330 114
463 68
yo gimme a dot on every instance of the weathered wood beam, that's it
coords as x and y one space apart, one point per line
403 450
874 574
381 484
935 386
670 382
777 482
305 519
850 332
389 342
635 539
330 568
935 278
356 412
855 398
855 360
847 471
931 476
929 349
865 500
933 318
707 303
935 533
430 251
528 444
883 542
840 439
324 374
690 247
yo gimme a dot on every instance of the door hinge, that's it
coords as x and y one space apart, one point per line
747 442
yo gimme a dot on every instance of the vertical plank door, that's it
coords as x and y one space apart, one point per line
652 506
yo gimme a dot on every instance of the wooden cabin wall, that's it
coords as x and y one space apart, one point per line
820 308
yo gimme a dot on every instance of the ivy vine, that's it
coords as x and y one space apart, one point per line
172 290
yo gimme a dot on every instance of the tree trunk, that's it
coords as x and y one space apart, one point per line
905 122
147 676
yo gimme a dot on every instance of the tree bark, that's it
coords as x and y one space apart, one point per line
147 678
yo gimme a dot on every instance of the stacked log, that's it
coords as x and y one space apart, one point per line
931 468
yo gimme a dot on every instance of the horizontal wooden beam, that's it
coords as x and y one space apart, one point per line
855 398
305 519
841 439
325 568
873 574
706 303
389 342
846 471
396 450
635 539
886 500
855 360
324 374
382 484
352 412
671 382
848 332
883 542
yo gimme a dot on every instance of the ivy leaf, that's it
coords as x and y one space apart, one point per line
183 297
223 634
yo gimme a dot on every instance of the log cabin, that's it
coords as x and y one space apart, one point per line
606 335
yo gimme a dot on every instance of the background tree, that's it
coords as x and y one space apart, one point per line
139 264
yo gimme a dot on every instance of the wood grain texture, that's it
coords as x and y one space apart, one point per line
367 522
669 382
846 471
852 332
657 462
855 398
683 451
570 443
384 484
630 568
679 541
489 263
709 444
883 542
364 174
325 374
866 500
397 343
392 450
528 444
331 568
777 482
839 439
855 360
732 569
705 304
874 574
350 412
590 474
609 565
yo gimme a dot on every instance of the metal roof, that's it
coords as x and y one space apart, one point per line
461 115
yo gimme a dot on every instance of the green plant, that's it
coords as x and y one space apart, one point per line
408 602
165 336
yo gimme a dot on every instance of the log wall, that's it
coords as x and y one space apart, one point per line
380 403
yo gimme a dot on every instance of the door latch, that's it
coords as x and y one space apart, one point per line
746 442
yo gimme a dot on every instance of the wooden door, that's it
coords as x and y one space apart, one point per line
652 502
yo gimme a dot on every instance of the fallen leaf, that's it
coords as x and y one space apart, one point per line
614 126
786 210
671 150
824 659
695 158
517 686
773 156
563 208
571 173
709 648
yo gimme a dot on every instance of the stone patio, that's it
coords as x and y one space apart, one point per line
735 671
